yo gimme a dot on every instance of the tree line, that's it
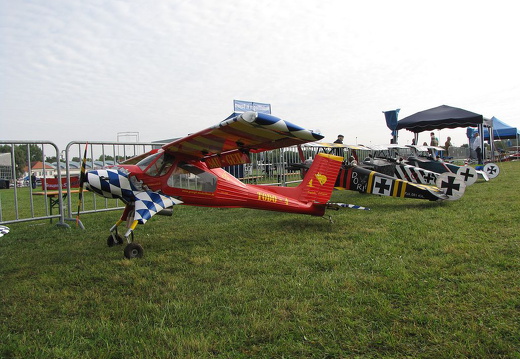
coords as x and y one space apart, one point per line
31 153
22 155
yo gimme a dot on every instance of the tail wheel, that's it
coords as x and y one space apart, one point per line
133 250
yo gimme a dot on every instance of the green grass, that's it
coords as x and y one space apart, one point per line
408 279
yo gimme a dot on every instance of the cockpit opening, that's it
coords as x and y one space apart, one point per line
188 176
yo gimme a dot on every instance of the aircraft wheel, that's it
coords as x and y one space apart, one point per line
133 250
111 242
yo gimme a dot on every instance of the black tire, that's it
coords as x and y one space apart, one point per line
111 242
133 250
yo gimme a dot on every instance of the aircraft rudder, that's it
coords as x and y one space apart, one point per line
318 183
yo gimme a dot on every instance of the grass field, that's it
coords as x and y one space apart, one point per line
409 278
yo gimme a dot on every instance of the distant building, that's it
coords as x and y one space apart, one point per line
6 166
39 170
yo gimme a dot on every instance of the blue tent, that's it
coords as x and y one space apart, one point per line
501 130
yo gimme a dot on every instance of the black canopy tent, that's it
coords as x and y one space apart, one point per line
438 118
441 117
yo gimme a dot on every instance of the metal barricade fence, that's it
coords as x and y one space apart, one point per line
53 170
108 154
271 168
17 203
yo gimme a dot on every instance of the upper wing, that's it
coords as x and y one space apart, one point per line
246 132
425 148
339 145
386 147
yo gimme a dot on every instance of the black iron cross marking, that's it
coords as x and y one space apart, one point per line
450 186
429 178
466 175
491 170
382 186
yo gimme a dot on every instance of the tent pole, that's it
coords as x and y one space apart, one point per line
481 137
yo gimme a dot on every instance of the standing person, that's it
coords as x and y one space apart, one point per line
33 181
475 145
434 141
339 151
447 146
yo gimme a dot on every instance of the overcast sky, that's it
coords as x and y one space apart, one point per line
74 70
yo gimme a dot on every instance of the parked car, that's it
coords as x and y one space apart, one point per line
4 183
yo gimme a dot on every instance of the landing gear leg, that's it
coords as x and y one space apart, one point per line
132 249
114 238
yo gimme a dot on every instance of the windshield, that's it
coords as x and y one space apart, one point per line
161 166
144 163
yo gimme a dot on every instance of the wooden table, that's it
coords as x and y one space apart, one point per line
54 199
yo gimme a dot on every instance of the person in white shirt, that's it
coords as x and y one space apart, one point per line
475 145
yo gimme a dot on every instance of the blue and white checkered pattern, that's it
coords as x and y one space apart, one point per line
248 131
4 230
113 183
277 124
337 206
147 204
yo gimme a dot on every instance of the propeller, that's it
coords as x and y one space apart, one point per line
82 180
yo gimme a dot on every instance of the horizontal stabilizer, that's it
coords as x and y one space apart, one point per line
337 206
491 169
4 230
483 174
452 185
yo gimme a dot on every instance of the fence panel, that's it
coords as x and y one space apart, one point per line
107 154
27 170
49 194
